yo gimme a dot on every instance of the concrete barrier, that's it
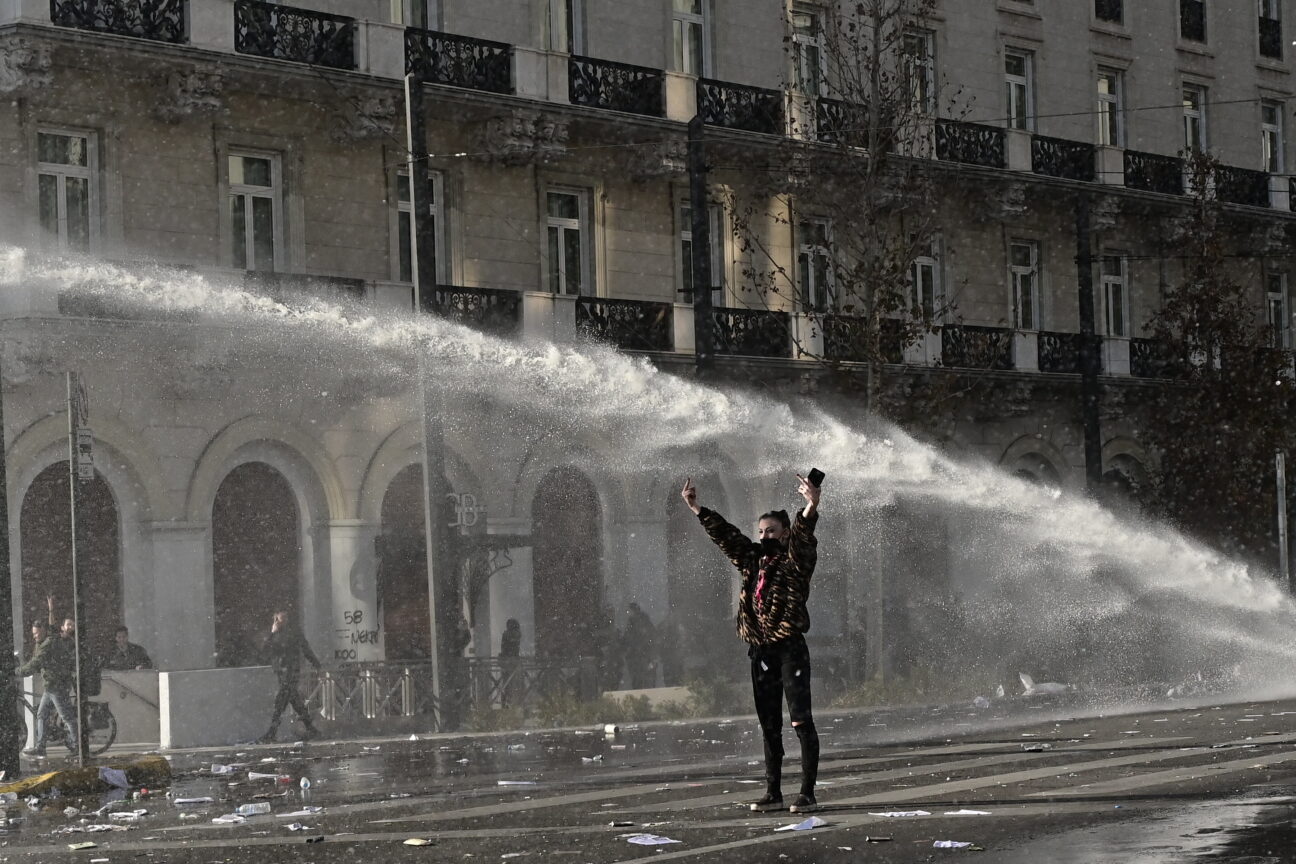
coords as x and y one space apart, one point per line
213 707
132 696
655 695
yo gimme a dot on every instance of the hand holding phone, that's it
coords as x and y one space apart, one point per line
815 477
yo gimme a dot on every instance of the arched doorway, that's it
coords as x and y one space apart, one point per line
45 530
700 585
567 562
402 569
256 559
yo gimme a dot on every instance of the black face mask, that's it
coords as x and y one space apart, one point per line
770 546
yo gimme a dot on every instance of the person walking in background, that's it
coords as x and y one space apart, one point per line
53 657
640 649
510 657
284 649
608 651
126 654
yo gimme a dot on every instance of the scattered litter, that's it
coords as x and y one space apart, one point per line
901 814
871 839
418 841
980 702
1036 747
263 796
305 811
846 848
260 808
967 812
230 819
399 795
297 826
999 691
514 748
371 749
649 840
71 812
951 844
188 815
128 815
513 854
755 782
218 768
589 759
319 839
611 729
812 822
1048 688
621 824
76 847
515 783
259 775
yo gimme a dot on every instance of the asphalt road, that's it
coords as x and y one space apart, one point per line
1212 782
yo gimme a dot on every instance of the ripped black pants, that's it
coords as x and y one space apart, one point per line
782 669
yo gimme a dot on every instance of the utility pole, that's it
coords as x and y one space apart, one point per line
80 470
1284 565
443 583
1090 359
700 231
9 726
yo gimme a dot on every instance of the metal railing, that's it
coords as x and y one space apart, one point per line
301 35
616 86
632 325
738 106
1153 172
1152 359
752 332
1058 157
491 310
159 20
1059 352
847 338
841 122
1241 186
459 61
970 347
970 143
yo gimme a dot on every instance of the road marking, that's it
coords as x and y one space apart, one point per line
1173 775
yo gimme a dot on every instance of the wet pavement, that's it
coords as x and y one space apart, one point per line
1044 782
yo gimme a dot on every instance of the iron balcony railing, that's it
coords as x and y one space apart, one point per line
616 86
970 143
492 310
752 332
1153 172
459 61
970 347
631 325
846 338
737 106
1152 359
1059 352
1057 157
301 35
1241 186
159 20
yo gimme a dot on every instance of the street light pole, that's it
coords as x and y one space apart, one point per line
1090 360
1284 565
700 238
9 725
79 465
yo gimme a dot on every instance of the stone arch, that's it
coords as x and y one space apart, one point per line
402 448
543 457
1125 469
568 585
1032 457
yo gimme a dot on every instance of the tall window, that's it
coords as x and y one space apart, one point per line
1115 295
405 228
1271 41
567 216
1111 11
425 14
684 213
1192 20
807 51
65 170
1194 117
1023 270
1271 134
1276 309
254 205
564 27
689 26
918 65
814 265
1018 78
925 282
1111 115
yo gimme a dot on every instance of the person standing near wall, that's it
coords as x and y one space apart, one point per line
510 658
54 659
284 649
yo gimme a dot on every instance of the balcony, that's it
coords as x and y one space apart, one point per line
300 35
752 333
158 20
616 86
840 122
496 311
1151 359
287 287
1241 186
1059 353
1271 40
970 143
969 347
1057 157
459 61
737 106
846 339
631 325
1152 172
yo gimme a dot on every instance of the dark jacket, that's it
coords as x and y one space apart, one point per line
131 657
55 659
787 578
284 650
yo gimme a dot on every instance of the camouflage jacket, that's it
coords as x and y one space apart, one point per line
55 659
787 578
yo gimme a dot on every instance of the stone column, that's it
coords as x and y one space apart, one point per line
184 614
353 629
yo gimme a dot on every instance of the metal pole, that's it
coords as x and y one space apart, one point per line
9 726
1090 359
1284 565
703 278
76 416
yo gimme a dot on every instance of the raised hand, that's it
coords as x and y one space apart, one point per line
810 493
689 494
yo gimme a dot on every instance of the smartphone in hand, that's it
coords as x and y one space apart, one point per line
815 478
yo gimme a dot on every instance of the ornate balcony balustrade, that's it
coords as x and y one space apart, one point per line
1152 359
1241 186
616 86
970 143
840 122
752 332
846 338
737 106
632 325
1059 352
159 20
459 61
1153 172
969 347
1057 157
300 35
491 310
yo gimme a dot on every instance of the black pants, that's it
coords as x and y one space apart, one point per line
779 670
289 694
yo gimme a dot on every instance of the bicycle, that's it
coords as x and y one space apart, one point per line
103 725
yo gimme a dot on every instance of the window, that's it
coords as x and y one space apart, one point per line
1194 117
566 217
254 211
1115 295
1111 116
918 65
925 280
807 51
1192 20
718 257
405 228
1111 11
814 265
1276 309
1271 42
1018 78
1271 133
1023 270
689 25
425 14
563 27
66 166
